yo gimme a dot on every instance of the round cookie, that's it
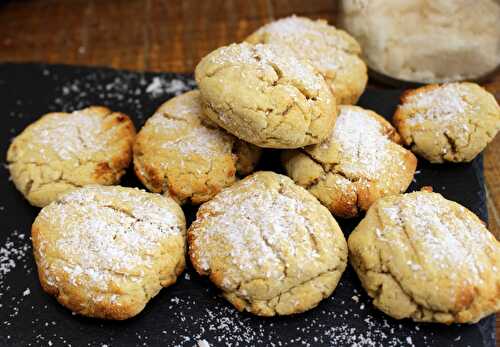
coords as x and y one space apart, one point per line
62 151
361 161
334 53
266 95
423 257
450 122
104 252
182 153
269 245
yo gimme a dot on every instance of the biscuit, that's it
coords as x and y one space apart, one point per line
423 257
451 122
183 154
334 53
360 162
265 95
269 245
62 151
104 252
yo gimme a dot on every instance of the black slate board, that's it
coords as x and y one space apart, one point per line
190 310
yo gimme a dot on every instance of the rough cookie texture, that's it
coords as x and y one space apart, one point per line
62 151
423 257
182 153
106 251
269 245
450 122
266 95
334 53
360 162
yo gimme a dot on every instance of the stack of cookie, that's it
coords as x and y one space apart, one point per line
268 241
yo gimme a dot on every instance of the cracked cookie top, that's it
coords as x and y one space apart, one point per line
106 251
269 245
62 151
334 53
423 257
450 122
359 162
182 153
266 95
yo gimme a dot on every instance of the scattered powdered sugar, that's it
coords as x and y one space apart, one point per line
362 143
12 253
221 324
441 105
97 239
160 86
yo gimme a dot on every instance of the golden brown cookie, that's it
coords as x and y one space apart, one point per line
334 53
182 153
62 151
361 161
266 95
423 257
269 245
450 122
104 252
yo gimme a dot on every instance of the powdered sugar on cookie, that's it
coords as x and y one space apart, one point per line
101 235
70 135
362 143
444 104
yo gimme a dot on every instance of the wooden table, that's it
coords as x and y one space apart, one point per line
158 35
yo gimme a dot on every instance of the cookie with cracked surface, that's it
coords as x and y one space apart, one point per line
269 245
423 257
361 161
182 153
452 122
62 151
333 52
104 252
266 95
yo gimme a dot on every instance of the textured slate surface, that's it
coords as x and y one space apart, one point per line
190 310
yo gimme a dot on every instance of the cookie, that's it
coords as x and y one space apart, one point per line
448 123
266 95
361 161
269 245
104 252
63 151
423 257
334 53
182 153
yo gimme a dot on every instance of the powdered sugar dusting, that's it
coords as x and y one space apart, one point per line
181 127
439 105
256 226
456 244
97 240
362 142
69 136
202 141
270 57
